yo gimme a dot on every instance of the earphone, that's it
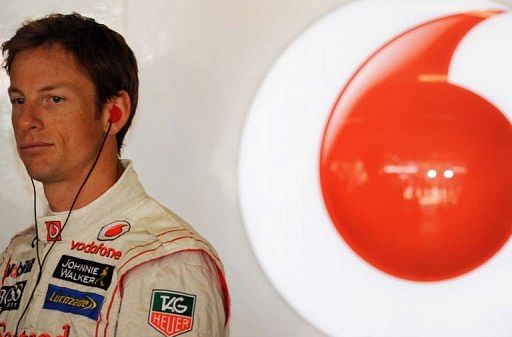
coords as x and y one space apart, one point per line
115 116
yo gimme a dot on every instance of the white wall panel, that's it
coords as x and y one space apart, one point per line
200 65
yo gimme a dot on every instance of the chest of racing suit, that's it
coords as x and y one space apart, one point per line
81 286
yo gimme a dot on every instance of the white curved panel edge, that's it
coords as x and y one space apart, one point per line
290 231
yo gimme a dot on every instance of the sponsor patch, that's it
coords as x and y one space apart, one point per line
113 230
14 270
53 231
171 312
84 272
10 296
96 249
73 302
24 333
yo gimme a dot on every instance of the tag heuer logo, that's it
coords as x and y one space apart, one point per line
172 312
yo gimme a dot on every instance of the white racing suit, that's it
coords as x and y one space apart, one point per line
123 266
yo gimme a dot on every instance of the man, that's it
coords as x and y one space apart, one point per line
106 259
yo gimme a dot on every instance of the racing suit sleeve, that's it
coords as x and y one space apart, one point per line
3 252
2 268
175 295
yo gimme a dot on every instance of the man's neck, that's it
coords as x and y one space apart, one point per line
60 195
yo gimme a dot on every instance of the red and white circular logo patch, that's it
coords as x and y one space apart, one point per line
113 230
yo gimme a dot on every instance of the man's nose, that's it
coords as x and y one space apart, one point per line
28 117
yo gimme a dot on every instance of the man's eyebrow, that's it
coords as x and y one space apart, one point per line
13 89
55 86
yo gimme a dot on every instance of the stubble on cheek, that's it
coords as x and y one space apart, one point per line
38 166
32 168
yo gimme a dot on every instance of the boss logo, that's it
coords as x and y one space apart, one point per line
10 296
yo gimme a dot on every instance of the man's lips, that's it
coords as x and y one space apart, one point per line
33 146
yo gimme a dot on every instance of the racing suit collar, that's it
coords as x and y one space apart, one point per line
90 218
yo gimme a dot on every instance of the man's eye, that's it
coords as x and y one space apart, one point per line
55 99
19 100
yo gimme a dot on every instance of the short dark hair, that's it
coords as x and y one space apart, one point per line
101 53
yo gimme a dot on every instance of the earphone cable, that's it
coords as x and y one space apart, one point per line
41 264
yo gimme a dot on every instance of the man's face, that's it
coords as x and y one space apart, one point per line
53 115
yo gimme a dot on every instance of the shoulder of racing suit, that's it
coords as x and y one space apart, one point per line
24 236
158 232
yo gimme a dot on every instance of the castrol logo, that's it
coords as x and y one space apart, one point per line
23 332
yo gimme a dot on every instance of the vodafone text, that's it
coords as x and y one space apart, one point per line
96 249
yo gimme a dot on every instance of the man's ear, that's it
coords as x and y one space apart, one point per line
117 111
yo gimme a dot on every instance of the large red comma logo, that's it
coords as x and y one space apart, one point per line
375 170
404 179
